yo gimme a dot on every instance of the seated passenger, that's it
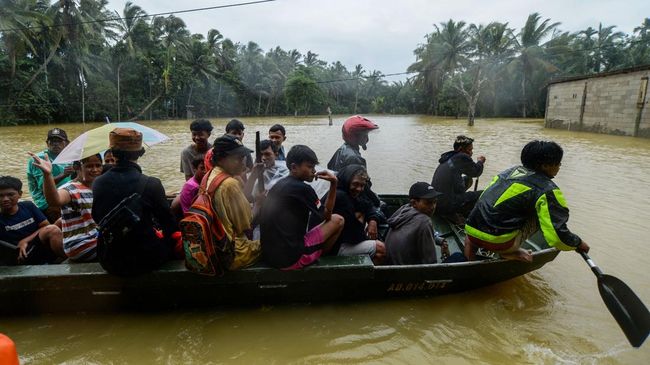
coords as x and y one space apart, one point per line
75 200
357 213
109 161
56 141
230 203
287 241
26 237
272 170
411 238
236 129
201 130
278 135
454 176
518 202
144 249
191 186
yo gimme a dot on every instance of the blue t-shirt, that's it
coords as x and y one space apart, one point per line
26 221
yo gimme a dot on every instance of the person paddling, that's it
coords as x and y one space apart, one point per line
519 202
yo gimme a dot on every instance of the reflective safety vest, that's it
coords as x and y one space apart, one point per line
512 198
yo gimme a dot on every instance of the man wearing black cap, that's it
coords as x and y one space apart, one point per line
229 201
56 140
411 239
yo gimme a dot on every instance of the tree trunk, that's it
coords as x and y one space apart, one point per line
119 114
144 110
38 72
219 98
83 98
523 93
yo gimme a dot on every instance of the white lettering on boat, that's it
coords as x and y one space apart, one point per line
419 286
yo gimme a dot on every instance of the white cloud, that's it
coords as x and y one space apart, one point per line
381 34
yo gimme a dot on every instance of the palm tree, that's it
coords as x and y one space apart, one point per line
530 47
132 15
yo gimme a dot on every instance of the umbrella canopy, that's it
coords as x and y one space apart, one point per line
96 141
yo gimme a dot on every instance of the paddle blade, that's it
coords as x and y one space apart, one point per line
628 310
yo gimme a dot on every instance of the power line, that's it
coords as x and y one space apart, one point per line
139 16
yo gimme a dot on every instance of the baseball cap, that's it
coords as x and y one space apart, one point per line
229 145
125 139
422 190
57 133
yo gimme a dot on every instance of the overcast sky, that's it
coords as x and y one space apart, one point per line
380 34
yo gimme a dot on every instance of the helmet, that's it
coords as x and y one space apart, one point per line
355 125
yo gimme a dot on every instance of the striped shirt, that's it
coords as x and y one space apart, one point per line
79 228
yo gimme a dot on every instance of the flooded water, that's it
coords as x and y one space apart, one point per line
553 316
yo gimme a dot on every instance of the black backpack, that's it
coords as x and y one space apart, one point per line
119 239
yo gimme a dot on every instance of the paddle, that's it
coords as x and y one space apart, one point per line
476 184
626 307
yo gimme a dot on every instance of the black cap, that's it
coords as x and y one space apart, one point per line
57 133
229 145
422 190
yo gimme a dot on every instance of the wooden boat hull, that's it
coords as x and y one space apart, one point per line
86 287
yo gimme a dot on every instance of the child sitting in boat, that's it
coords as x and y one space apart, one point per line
411 238
287 242
26 237
184 199
75 199
518 202
358 215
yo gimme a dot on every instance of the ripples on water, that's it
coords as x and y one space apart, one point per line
553 316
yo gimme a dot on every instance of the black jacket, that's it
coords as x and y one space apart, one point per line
120 182
448 179
347 206
511 199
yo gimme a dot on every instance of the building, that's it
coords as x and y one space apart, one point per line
613 102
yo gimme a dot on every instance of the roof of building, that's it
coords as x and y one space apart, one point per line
602 74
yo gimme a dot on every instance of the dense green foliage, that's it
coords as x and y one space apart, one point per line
59 63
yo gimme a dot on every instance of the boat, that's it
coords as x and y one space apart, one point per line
86 287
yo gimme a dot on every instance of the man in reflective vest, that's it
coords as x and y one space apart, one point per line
520 201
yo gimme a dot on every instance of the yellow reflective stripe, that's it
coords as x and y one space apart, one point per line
560 198
494 179
512 191
488 237
546 225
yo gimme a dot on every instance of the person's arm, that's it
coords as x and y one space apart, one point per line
67 171
160 207
22 244
54 197
186 164
235 206
553 215
426 242
331 195
467 166
250 182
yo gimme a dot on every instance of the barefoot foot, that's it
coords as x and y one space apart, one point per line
520 255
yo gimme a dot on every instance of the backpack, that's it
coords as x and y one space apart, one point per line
117 246
208 250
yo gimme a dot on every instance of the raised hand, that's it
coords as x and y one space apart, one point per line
43 164
327 176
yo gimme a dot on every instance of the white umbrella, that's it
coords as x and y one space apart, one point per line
96 141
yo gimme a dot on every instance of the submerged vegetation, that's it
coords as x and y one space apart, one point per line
72 60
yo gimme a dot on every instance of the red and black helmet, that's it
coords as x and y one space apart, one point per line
355 125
